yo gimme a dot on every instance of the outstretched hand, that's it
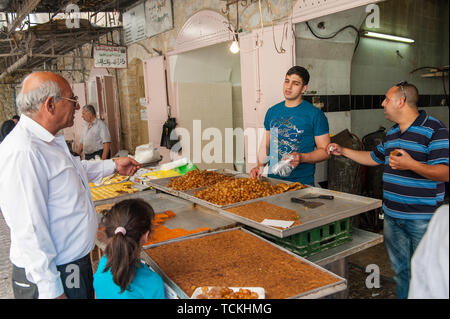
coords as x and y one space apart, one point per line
127 166
255 172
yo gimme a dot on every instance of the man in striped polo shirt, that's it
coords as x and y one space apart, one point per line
415 158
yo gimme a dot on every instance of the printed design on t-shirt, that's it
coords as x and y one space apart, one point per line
288 136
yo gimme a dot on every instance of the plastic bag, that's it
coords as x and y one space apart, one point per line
283 168
146 153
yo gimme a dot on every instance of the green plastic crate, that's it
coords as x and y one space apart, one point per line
315 240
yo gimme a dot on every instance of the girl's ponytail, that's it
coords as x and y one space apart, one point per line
125 224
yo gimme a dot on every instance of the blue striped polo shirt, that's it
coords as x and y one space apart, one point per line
408 195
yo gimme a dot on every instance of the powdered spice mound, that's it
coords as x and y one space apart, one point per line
258 211
237 259
159 232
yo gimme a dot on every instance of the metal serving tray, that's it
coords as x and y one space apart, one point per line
342 206
138 186
320 292
188 215
161 184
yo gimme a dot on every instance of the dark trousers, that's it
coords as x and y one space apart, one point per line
92 155
76 277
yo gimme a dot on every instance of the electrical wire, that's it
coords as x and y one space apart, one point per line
336 33
445 90
441 69
283 34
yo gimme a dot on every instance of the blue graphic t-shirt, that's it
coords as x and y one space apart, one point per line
292 129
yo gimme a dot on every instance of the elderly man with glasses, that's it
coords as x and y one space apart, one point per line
45 196
415 158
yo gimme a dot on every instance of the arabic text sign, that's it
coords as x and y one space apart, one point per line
110 57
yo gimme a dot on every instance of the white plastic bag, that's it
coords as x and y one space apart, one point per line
146 153
283 168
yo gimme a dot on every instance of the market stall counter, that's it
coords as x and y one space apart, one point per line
321 234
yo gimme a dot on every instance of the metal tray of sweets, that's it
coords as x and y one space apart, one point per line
161 183
320 292
342 206
189 216
137 186
189 194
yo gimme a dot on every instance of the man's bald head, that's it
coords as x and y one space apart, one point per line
39 86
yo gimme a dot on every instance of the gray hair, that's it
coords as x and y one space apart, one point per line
31 101
90 108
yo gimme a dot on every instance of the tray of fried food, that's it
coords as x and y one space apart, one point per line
215 292
196 179
242 189
113 190
291 187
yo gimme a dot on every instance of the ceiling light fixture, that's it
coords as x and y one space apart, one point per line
387 37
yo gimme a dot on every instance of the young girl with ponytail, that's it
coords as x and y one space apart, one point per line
120 273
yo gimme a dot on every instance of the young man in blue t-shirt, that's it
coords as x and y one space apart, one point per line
294 127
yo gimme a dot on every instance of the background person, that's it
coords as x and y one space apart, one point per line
16 119
96 139
45 196
6 128
415 158
120 273
294 127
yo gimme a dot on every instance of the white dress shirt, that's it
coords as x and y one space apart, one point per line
46 202
429 265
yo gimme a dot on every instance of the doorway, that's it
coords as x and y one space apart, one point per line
209 97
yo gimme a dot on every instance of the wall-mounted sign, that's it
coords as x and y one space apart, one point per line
158 16
134 24
106 56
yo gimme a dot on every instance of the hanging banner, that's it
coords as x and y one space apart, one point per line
107 56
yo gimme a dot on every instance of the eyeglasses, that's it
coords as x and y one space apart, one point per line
401 85
73 99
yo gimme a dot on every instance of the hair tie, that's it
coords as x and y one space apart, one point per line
120 229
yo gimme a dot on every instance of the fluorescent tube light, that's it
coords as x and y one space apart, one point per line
387 37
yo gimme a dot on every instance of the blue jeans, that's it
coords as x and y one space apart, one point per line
402 236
